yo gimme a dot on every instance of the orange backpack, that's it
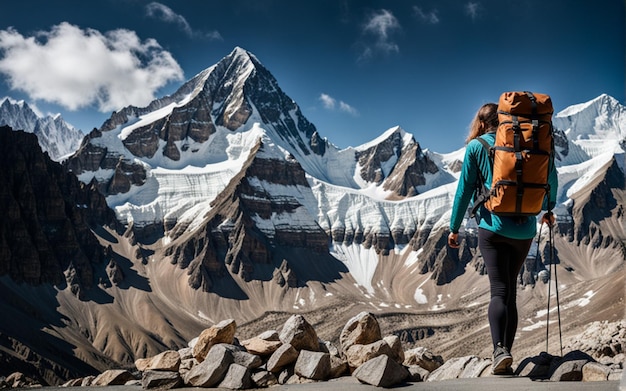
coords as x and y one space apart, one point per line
522 154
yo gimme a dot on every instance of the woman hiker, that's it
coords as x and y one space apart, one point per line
504 242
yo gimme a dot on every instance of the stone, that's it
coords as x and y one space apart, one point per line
571 370
382 371
594 371
281 358
422 357
113 377
211 371
264 379
417 373
161 380
396 347
165 361
361 329
223 332
313 365
261 347
299 333
246 359
237 377
338 367
451 369
358 354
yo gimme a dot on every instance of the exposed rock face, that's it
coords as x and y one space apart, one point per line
408 172
45 231
240 231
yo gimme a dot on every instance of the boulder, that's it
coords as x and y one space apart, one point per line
358 354
113 377
211 371
161 380
362 329
237 377
422 357
299 333
382 371
281 358
223 332
313 365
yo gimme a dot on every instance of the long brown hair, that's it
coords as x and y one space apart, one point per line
487 115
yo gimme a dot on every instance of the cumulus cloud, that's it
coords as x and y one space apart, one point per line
472 9
331 103
428 17
166 14
78 68
380 25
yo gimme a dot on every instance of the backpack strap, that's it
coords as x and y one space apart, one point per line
482 193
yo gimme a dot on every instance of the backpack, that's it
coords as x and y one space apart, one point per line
521 157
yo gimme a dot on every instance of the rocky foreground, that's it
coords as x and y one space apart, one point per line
216 358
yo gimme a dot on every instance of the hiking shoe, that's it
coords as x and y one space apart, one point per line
502 361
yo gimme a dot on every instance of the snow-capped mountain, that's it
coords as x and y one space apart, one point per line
55 136
234 206
165 167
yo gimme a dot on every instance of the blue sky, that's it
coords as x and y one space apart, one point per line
355 68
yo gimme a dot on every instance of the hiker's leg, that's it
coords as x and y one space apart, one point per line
519 251
496 257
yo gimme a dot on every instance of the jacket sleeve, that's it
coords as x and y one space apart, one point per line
466 186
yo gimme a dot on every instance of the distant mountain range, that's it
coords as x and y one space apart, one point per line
228 203
55 136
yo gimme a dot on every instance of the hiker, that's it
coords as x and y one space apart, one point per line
504 242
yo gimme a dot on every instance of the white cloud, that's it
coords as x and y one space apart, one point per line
472 9
77 68
328 101
331 103
381 26
166 14
428 17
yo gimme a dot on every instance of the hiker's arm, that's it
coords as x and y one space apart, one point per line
465 187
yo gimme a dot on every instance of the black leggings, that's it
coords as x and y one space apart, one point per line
504 258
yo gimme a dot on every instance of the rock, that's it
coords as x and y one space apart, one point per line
246 359
261 347
569 371
396 347
299 333
161 380
381 371
594 371
451 369
417 373
422 357
358 354
211 371
362 329
223 332
237 377
281 358
313 365
166 361
264 379
113 377
569 367
338 367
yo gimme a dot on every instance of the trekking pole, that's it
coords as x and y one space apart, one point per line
549 292
556 284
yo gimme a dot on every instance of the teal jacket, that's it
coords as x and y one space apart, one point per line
476 157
